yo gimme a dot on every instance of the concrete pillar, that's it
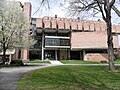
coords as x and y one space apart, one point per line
56 55
42 46
84 58
10 59
68 54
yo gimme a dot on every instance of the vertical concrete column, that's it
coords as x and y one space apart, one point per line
56 55
81 56
42 46
68 54
84 57
10 59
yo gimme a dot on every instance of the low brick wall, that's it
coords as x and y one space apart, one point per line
96 57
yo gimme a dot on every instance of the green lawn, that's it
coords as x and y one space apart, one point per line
117 61
70 78
78 62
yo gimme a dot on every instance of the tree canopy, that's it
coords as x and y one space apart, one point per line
14 27
91 8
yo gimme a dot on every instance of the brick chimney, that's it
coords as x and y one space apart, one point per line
27 9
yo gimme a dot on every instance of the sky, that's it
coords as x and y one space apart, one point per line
55 8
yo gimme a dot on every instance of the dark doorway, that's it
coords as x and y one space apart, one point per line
74 55
35 54
19 54
49 54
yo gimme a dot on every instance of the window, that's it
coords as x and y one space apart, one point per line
19 54
57 42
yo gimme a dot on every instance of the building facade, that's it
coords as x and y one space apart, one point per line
70 39
67 39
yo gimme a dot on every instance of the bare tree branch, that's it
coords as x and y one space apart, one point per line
116 10
100 7
112 3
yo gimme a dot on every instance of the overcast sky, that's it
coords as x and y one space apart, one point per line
55 8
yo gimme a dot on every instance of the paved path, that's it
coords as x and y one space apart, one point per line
56 62
10 76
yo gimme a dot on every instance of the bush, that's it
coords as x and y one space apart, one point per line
17 63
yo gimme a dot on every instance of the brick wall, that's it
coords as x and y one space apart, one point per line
87 40
86 25
115 41
96 57
39 23
27 9
24 54
53 24
60 24
74 24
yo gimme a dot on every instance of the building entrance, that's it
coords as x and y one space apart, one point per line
49 55
34 54
75 55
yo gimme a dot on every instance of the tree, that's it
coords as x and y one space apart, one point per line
14 28
98 6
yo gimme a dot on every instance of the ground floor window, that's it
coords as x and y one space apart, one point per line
49 54
74 55
35 54
61 54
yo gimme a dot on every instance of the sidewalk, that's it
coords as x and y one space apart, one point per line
56 62
9 76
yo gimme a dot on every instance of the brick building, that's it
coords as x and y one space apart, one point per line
70 39
67 39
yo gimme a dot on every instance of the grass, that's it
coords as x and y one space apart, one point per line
117 61
70 78
39 61
78 62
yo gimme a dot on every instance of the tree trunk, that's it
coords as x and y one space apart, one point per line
4 53
110 47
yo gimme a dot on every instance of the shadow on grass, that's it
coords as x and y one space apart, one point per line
73 78
85 84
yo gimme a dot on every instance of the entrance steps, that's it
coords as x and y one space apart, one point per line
56 62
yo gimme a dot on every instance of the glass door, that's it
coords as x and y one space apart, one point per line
49 55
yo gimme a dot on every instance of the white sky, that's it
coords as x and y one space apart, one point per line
56 9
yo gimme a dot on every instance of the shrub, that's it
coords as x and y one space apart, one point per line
17 63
